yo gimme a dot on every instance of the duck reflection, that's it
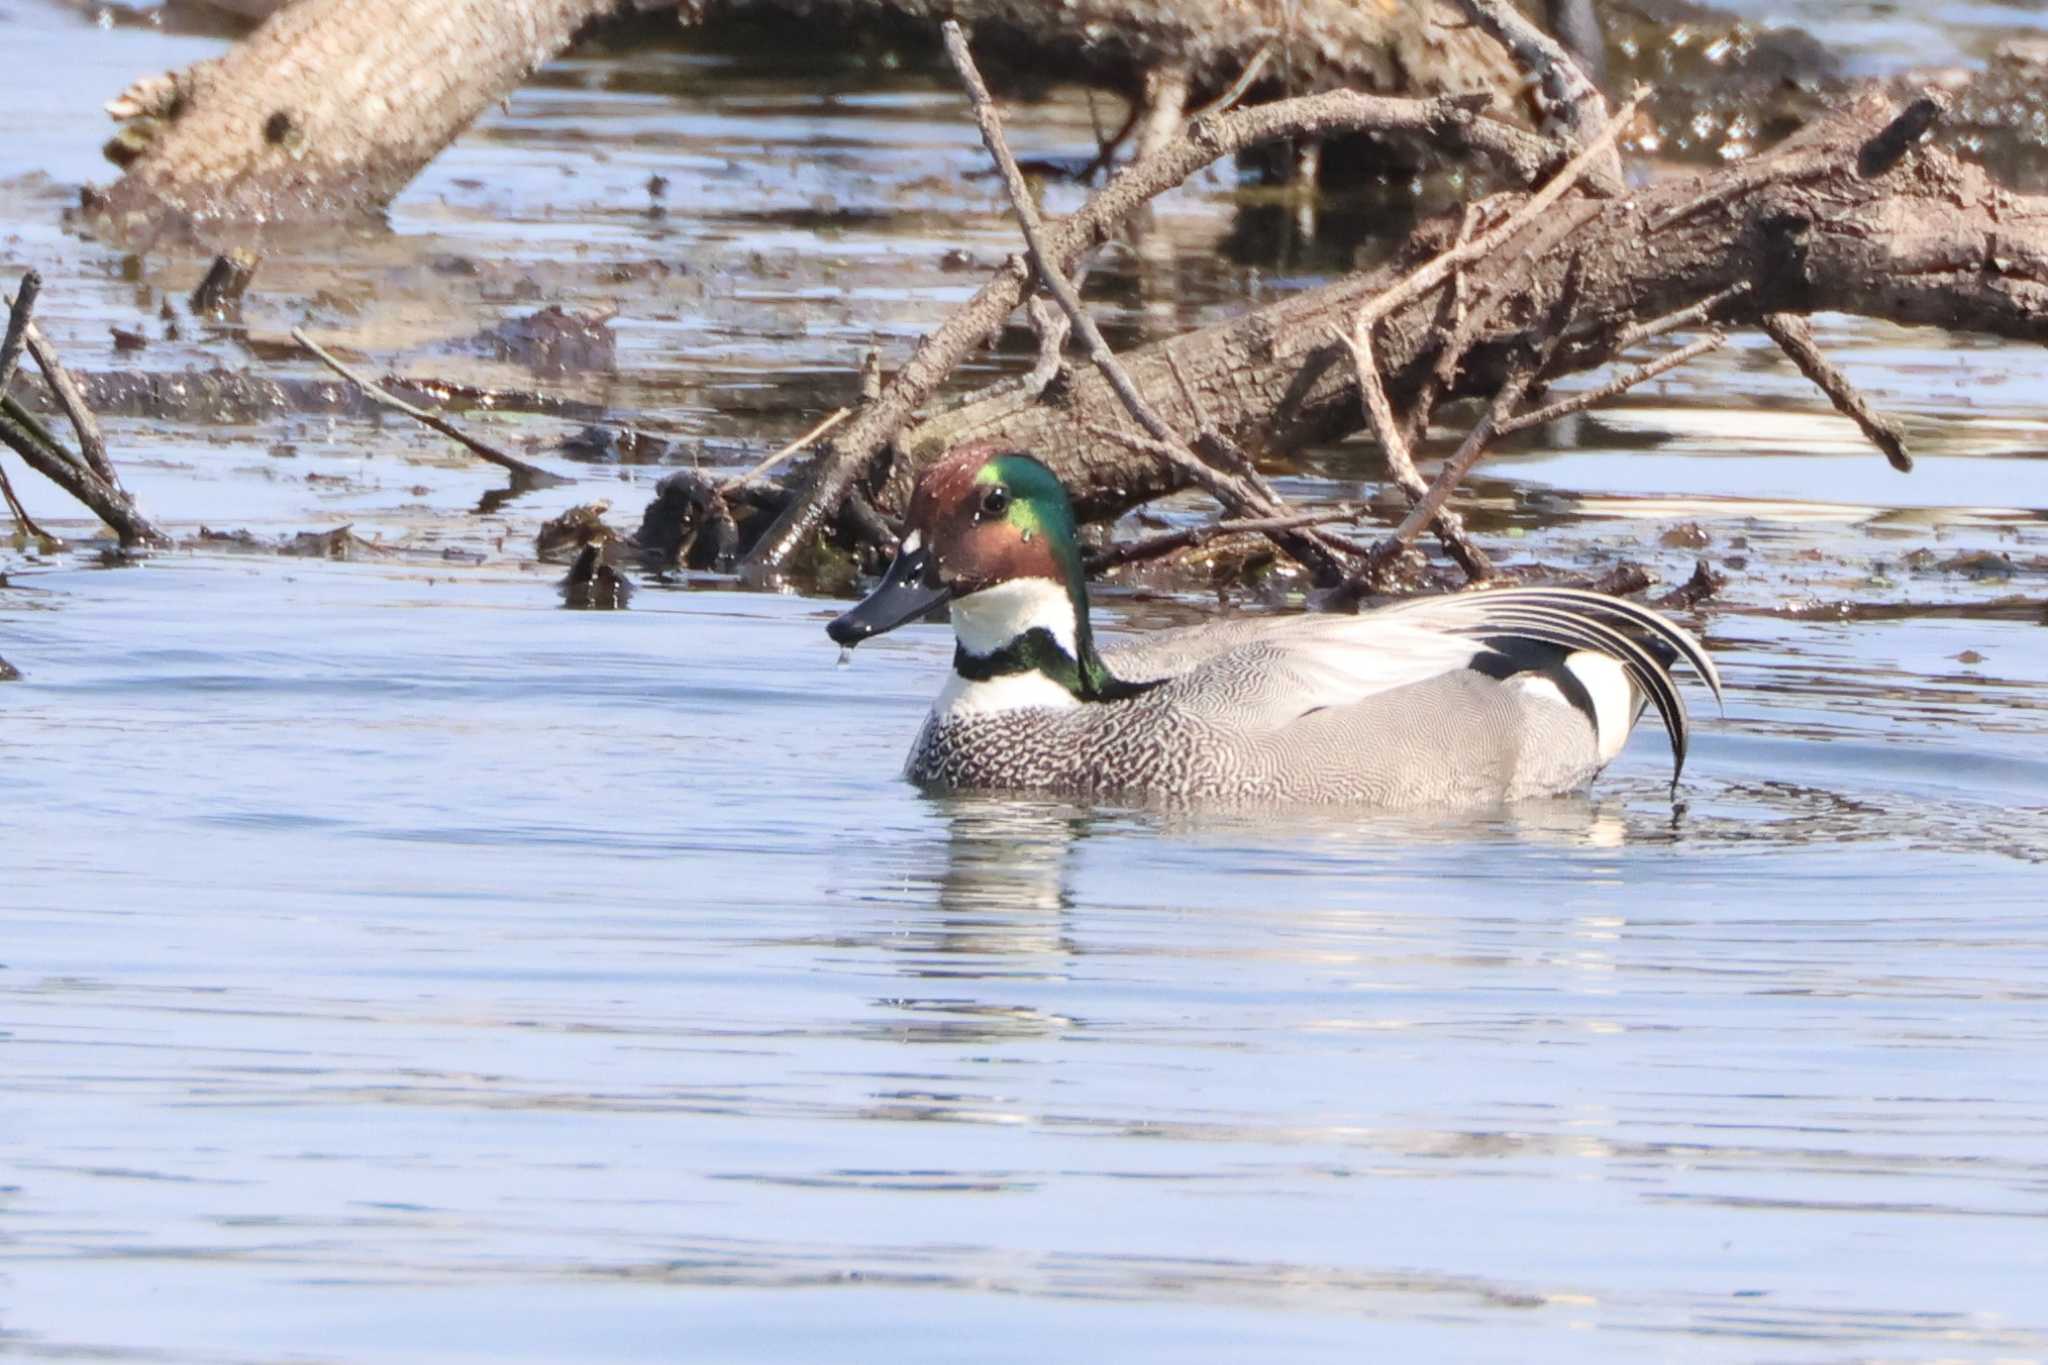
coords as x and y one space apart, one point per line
1001 901
1002 904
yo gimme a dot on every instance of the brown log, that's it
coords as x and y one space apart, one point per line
1927 240
328 108
331 106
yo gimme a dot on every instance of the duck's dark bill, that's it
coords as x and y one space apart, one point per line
906 592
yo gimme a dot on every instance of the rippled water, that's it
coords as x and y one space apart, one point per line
396 966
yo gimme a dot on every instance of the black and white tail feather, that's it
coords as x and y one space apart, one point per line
1643 642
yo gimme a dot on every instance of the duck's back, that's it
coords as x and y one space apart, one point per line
1371 710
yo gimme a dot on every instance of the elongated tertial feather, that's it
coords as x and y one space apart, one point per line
1572 618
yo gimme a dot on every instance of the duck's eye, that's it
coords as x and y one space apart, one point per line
995 502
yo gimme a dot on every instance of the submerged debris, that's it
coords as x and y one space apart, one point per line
688 508
614 445
1705 582
594 582
579 526
340 543
219 295
554 341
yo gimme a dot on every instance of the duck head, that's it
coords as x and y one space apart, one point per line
992 534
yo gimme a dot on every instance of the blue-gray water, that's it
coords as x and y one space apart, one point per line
394 966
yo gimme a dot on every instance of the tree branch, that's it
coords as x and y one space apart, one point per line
524 473
1205 141
1795 339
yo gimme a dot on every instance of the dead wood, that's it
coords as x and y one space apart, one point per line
1926 240
1795 338
88 475
1572 95
327 109
851 452
1194 537
525 474
1241 491
331 106
227 279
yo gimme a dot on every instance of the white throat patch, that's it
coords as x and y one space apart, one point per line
987 620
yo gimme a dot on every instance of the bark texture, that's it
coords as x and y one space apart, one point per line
1837 219
332 106
1408 47
329 108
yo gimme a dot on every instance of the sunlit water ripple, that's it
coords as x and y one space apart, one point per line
397 967
384 933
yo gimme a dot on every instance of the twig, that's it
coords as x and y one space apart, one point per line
1379 413
1189 537
1106 147
110 503
1795 339
21 517
1576 96
17 326
530 475
1226 488
1683 317
1166 100
1455 468
65 390
1051 275
1621 383
1236 90
1372 393
1232 491
1207 140
839 415
1053 329
1430 275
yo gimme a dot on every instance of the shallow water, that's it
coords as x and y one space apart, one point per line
396 966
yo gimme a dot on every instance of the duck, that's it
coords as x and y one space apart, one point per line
1483 696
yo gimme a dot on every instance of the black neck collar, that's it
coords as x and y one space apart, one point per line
1037 650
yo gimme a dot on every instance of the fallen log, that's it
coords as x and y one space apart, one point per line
331 106
327 110
1909 235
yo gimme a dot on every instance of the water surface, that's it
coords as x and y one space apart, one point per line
396 966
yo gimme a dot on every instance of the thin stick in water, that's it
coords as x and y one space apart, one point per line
531 474
838 416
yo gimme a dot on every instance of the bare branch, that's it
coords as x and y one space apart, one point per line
1621 383
1234 492
1190 537
1577 99
62 386
1053 329
1683 317
17 326
523 472
1457 467
1161 112
20 514
20 432
1393 441
839 415
1795 338
1528 211
1229 98
1206 140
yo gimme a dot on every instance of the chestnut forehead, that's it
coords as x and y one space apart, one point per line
947 484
